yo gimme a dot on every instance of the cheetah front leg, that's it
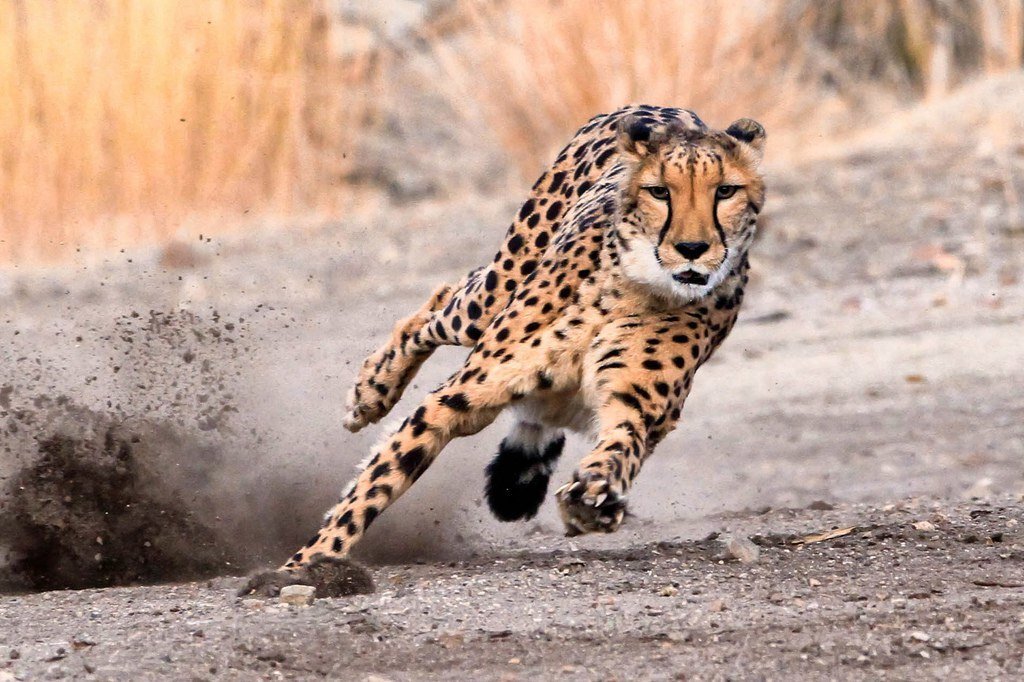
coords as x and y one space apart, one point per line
453 410
638 388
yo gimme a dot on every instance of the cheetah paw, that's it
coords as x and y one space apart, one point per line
331 576
589 504
360 413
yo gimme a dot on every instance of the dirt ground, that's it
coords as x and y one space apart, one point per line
873 384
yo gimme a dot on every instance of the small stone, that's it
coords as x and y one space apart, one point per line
814 582
925 526
717 606
742 549
298 595
668 591
919 636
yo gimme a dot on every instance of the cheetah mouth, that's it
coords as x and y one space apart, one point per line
690 277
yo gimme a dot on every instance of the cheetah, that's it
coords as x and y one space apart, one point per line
621 274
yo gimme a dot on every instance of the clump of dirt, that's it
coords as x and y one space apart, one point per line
110 501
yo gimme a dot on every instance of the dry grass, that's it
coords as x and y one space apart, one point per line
536 70
124 122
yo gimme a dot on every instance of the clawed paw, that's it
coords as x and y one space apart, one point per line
590 504
360 411
331 576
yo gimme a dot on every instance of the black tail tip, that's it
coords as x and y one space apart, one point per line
517 479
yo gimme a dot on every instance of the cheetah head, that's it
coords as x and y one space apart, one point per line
690 203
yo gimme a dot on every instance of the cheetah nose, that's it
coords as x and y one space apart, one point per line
691 250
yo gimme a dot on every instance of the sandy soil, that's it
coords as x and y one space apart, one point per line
873 382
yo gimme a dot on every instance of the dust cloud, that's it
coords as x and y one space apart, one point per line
183 453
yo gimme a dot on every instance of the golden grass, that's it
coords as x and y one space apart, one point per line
122 121
536 70
135 121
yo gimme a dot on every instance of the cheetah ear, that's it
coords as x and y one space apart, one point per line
638 138
750 131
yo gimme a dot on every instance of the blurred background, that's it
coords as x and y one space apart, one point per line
210 212
127 123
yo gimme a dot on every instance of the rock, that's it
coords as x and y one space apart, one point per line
742 549
924 525
668 591
298 595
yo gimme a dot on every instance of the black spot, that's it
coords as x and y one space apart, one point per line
337 546
556 181
344 519
627 399
515 244
473 310
473 333
411 461
544 381
369 514
502 334
456 323
565 292
380 470
662 388
651 364
532 327
542 240
491 281
526 210
527 267
613 353
553 210
510 285
456 401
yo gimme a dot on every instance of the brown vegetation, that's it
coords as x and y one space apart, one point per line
120 120
129 122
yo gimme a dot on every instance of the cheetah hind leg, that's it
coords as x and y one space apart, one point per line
331 576
517 478
386 373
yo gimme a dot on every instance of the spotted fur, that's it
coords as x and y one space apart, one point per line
621 274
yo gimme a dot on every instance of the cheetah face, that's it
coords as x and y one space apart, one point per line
690 204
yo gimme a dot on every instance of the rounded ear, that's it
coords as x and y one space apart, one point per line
750 131
638 138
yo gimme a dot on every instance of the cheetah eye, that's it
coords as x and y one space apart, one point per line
658 192
726 191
